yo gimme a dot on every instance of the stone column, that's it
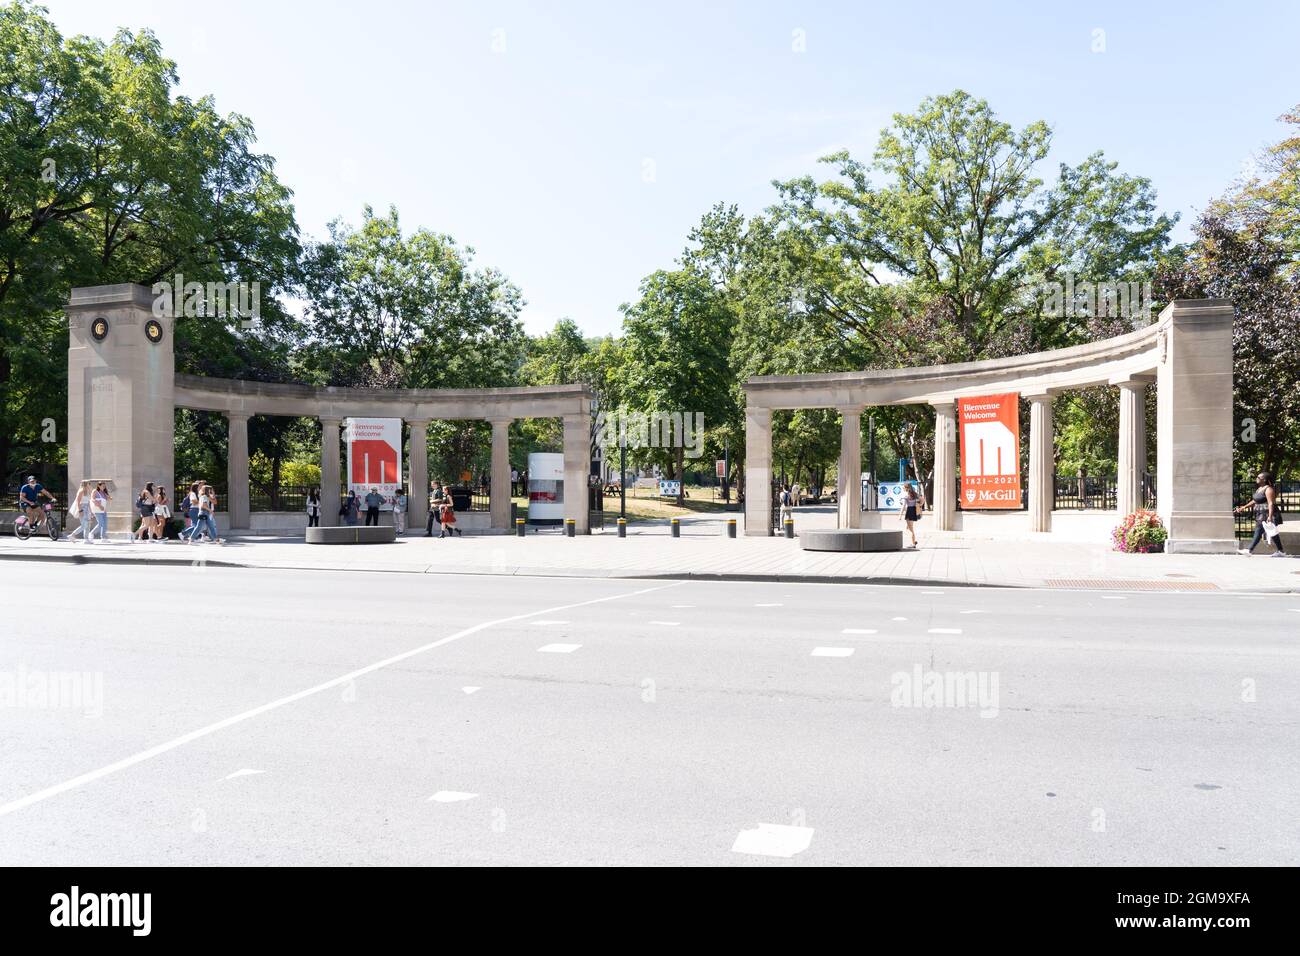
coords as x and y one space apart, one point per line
944 505
1132 442
237 469
1194 426
1042 462
577 466
500 493
849 488
758 471
417 472
329 471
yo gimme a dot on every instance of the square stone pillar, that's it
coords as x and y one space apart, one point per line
329 471
849 486
944 506
417 472
499 502
121 381
758 471
237 469
1132 442
1042 462
577 467
1194 426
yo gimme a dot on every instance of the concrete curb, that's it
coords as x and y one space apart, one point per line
590 573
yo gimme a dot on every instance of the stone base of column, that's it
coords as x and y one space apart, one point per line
1201 546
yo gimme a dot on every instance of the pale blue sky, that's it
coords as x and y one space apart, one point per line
536 154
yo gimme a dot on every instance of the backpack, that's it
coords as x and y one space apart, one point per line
785 499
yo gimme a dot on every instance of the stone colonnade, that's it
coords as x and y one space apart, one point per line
1187 352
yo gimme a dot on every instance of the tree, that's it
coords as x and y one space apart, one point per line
676 344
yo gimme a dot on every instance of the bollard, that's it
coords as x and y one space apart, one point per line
519 527
570 528
622 527
789 527
677 528
731 527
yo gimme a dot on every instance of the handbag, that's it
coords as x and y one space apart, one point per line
1270 529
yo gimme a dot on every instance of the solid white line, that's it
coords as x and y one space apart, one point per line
665 623
859 630
558 648
193 735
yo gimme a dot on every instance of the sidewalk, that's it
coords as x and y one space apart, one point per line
703 551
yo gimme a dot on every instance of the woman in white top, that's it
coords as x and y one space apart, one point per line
99 499
80 509
161 512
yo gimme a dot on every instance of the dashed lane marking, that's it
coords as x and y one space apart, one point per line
558 648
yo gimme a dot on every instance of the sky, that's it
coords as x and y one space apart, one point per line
573 145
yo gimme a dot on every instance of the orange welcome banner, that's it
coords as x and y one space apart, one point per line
990 451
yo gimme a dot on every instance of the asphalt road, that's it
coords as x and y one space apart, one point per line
225 716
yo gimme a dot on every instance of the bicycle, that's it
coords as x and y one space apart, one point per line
23 526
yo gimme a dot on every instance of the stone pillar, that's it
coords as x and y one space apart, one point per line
237 469
944 506
499 502
329 471
417 473
849 487
1194 426
758 471
577 466
1042 462
1132 442
121 380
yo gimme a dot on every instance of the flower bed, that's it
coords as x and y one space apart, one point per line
1140 533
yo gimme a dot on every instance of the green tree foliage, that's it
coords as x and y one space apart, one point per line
106 176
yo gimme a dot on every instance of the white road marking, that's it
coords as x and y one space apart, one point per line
548 623
898 619
832 652
683 605
666 623
773 839
931 592
450 796
246 772
971 612
558 648
471 690
142 756
859 630
944 630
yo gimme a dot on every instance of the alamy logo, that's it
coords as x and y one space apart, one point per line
102 909
925 689
212 300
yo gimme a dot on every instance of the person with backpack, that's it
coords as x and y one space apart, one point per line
144 504
204 521
787 512
1267 506
191 510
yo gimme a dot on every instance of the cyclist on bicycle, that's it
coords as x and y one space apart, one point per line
29 500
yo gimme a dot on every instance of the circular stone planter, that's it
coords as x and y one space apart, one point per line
353 534
852 539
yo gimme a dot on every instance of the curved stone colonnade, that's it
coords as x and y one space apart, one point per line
123 390
1187 353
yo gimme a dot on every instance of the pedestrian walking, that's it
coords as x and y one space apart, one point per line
514 482
99 499
435 509
79 508
448 509
399 511
913 508
192 510
373 500
206 514
313 508
1266 504
786 507
144 504
161 513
